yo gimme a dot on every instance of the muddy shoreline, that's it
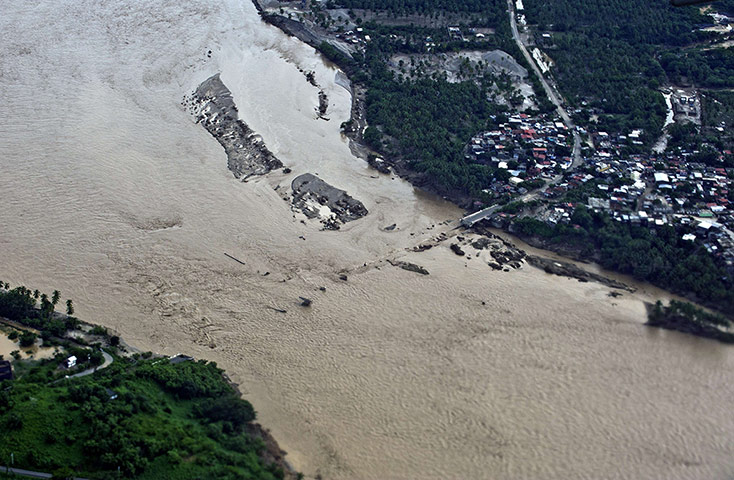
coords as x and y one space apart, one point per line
271 453
575 254
357 123
355 126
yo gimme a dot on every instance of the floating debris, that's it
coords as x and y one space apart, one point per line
233 258
457 249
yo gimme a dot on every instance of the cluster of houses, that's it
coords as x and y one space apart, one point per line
673 190
649 190
354 37
655 190
528 148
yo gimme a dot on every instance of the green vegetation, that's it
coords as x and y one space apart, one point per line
27 339
20 304
615 54
706 68
688 318
431 8
658 256
422 118
147 417
429 122
718 111
417 118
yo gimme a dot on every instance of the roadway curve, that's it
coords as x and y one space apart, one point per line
107 362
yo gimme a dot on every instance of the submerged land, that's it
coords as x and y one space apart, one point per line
569 165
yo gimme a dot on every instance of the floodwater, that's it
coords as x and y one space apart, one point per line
114 196
35 351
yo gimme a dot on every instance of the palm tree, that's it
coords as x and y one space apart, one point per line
46 306
55 297
36 294
69 308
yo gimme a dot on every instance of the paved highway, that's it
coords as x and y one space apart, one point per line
555 98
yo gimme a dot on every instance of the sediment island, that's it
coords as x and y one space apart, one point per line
317 199
212 105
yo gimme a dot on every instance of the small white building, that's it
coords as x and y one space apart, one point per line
71 362
661 177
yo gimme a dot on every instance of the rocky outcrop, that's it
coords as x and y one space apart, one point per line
212 105
457 249
378 163
570 270
411 267
317 199
502 253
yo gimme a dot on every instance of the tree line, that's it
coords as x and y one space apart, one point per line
658 256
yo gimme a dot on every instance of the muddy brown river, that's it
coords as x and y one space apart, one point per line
112 194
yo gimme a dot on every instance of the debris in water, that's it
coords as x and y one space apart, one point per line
457 249
233 258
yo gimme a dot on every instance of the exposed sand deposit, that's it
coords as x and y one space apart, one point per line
114 195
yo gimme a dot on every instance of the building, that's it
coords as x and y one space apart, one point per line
71 362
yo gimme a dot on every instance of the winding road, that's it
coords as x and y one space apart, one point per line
107 362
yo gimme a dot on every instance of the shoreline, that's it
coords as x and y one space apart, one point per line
569 253
389 374
272 452
357 123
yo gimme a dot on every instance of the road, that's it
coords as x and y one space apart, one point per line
107 361
30 473
473 218
554 96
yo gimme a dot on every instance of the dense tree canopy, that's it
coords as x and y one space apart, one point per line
659 256
615 54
